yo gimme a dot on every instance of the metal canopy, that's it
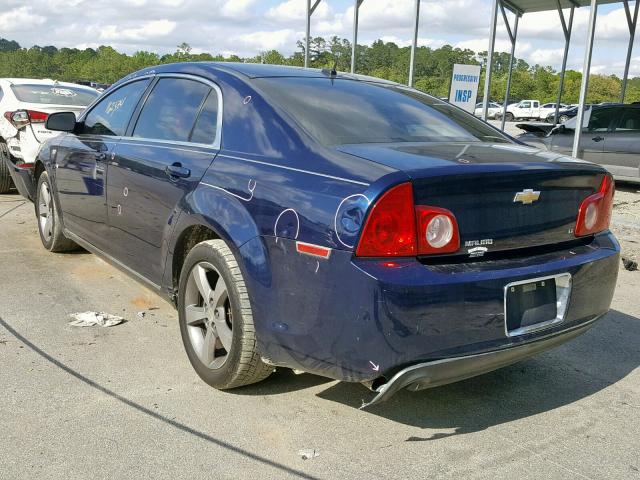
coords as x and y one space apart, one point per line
528 6
519 8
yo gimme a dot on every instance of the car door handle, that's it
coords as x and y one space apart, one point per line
177 171
597 139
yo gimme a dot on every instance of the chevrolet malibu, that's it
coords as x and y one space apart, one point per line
337 224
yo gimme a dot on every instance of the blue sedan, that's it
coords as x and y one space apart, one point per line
337 224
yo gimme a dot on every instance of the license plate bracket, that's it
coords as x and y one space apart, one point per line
537 303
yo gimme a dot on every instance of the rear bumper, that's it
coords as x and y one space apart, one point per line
359 320
22 178
449 370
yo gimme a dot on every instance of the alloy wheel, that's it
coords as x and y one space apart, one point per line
45 211
208 315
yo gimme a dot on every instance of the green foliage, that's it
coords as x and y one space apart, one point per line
387 60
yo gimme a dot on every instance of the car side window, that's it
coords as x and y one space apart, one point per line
630 121
601 120
1 93
535 104
170 111
206 125
111 115
525 105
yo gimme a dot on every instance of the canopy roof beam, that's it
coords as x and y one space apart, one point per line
310 10
354 44
414 44
492 44
513 36
586 70
632 22
566 29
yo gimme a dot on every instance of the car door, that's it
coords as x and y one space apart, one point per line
523 110
599 122
81 162
621 151
169 146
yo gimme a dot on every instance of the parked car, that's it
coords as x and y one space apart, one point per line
563 115
611 138
530 110
24 106
341 225
493 110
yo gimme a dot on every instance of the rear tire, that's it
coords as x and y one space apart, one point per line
6 183
216 321
49 222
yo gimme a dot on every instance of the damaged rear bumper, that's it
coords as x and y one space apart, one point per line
22 178
449 370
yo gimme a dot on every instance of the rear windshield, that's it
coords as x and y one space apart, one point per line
340 111
54 95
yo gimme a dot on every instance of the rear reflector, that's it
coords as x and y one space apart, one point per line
595 211
313 250
25 166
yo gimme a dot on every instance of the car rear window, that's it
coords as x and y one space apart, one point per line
54 95
341 111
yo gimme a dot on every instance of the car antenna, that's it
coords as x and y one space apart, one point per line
333 73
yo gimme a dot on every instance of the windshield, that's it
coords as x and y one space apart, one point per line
339 111
54 94
573 121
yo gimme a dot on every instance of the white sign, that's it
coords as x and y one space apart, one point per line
464 86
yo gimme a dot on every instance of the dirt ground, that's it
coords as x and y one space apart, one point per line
625 222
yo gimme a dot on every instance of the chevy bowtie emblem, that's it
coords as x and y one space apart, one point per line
526 197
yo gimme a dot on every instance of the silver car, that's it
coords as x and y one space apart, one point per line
610 137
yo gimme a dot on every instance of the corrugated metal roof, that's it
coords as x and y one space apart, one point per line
527 6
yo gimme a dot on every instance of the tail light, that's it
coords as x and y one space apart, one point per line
595 211
438 231
22 118
395 227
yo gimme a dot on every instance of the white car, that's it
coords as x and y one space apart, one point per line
25 105
493 110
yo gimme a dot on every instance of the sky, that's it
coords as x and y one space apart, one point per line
248 27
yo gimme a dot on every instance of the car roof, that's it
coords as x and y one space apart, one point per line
256 70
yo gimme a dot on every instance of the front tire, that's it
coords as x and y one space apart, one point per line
509 117
563 118
216 321
5 177
49 222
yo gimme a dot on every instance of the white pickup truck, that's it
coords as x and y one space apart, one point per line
530 109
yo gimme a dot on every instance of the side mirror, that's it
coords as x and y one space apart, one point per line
61 122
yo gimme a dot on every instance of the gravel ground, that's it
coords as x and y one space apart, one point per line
626 222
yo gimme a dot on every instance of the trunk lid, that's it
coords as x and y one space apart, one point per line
505 197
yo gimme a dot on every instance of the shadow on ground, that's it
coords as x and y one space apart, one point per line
600 358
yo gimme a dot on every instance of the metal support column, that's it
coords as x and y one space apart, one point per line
310 10
566 29
356 7
492 44
414 45
585 77
513 36
631 22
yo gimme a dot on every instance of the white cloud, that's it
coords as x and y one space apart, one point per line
156 28
19 19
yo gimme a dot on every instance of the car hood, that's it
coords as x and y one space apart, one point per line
414 157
